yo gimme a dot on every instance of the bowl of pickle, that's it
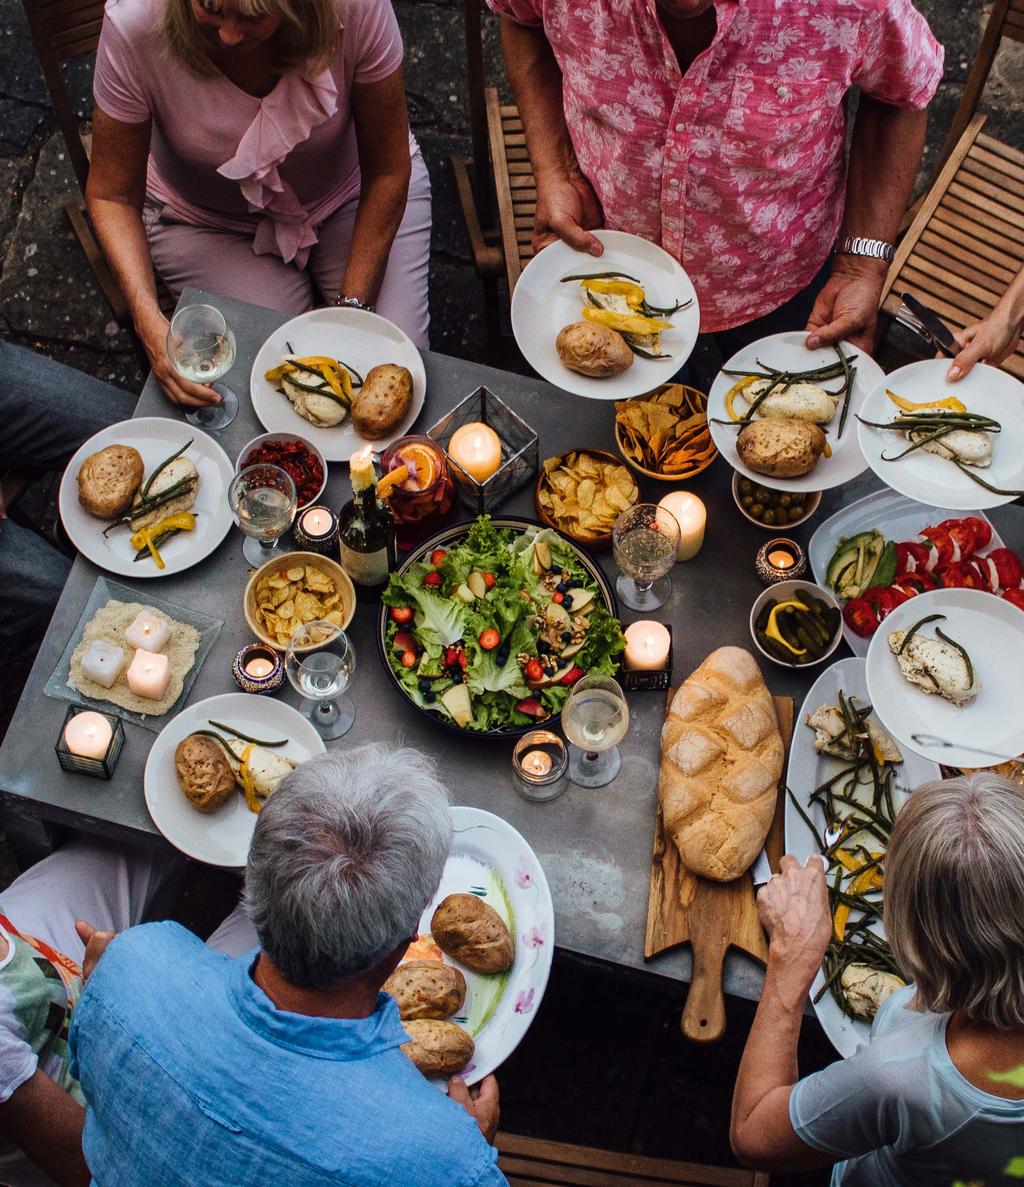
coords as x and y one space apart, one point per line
773 509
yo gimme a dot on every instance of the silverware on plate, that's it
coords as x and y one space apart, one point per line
934 740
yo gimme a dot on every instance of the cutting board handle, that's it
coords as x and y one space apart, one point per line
704 1014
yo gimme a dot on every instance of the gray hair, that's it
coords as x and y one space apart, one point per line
345 857
954 897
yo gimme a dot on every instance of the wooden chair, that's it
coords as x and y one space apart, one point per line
531 1161
62 30
496 187
966 242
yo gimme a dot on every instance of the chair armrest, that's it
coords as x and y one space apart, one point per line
488 259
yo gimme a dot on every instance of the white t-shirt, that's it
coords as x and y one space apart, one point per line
901 1114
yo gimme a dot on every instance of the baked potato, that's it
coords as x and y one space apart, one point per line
426 989
473 933
593 350
383 401
780 448
204 773
438 1048
108 480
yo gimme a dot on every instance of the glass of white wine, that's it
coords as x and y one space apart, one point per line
645 541
595 718
263 502
320 662
201 348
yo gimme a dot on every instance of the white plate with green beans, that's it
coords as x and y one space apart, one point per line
157 439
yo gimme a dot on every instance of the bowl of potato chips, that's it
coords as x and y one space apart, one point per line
582 493
289 591
665 434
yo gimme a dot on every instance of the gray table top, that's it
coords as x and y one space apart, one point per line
595 845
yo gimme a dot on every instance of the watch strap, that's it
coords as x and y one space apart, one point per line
352 303
858 245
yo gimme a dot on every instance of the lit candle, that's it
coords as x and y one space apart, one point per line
148 632
781 559
647 645
476 448
88 735
536 763
102 662
259 667
317 521
692 516
149 675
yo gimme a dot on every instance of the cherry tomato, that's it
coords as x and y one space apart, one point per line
489 580
401 614
433 581
1016 596
534 671
489 639
860 617
437 556
408 659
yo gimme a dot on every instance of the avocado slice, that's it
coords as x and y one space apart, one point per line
860 562
456 700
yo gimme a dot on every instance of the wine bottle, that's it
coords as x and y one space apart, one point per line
367 542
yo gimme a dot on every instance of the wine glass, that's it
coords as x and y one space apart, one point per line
263 501
595 718
645 540
201 347
320 663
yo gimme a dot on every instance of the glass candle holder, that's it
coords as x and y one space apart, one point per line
316 530
90 742
638 673
540 761
779 560
258 668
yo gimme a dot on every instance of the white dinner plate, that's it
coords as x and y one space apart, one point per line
898 518
491 859
156 438
354 336
787 351
219 838
992 632
932 479
807 770
542 305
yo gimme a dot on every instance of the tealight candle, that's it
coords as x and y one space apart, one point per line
88 735
476 448
317 521
539 764
102 662
647 646
259 668
536 762
149 674
781 559
148 632
692 516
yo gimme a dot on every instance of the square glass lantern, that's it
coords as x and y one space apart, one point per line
648 679
99 765
519 449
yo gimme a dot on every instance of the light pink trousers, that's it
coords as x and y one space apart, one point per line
223 262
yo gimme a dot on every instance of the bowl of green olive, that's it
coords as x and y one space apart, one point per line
773 509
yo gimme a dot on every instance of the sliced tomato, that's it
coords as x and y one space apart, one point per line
943 548
911 557
963 535
860 617
883 601
1008 567
1016 596
982 530
915 583
960 575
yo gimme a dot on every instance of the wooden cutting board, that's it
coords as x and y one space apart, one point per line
712 916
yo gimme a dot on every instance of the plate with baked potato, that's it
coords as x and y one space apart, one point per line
341 377
607 327
470 984
147 497
786 417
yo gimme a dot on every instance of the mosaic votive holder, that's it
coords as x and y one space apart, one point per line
324 543
780 560
259 684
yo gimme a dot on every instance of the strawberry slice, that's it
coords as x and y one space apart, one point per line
437 556
433 580
572 676
401 614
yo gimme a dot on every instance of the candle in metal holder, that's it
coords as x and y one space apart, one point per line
539 765
258 669
90 742
647 661
316 530
779 560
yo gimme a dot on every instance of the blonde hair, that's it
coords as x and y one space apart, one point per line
308 37
954 898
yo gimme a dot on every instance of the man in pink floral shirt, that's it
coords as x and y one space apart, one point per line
719 131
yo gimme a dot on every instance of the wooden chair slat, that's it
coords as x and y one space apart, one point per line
955 282
994 180
1000 148
517 167
514 138
517 154
985 156
524 200
510 125
966 214
992 279
509 111
958 307
991 208
1014 25
1001 252
520 181
1002 191
84 45
503 189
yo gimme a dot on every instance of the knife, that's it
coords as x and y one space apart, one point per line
935 329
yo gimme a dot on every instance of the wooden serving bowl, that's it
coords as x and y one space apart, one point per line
594 543
293 559
700 401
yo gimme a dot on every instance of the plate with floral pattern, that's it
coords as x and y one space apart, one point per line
489 858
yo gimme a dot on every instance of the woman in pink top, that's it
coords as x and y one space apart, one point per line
259 149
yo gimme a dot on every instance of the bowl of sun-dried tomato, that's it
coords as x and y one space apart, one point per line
300 459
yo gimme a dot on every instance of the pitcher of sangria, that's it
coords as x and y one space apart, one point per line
418 488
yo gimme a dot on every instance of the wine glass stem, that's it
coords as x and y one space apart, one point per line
591 755
642 586
269 545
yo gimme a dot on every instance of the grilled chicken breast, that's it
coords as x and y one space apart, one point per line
799 401
266 767
963 445
935 666
177 471
830 728
318 410
866 988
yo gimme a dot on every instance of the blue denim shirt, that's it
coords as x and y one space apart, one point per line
194 1077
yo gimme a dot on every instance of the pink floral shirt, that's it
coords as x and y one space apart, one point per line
737 167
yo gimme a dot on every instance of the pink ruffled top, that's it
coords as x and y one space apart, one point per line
272 167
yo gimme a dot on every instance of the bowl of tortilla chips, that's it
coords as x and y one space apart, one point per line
582 493
289 591
664 434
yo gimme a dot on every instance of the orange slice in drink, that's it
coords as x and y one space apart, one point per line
422 463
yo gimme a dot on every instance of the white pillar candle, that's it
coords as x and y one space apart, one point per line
103 662
148 632
647 645
88 735
149 675
476 448
692 516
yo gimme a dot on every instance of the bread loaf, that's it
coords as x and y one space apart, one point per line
721 758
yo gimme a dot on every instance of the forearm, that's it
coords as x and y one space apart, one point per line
46 1124
537 86
1011 304
378 217
884 158
122 237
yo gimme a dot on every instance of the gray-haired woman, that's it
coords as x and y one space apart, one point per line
936 1096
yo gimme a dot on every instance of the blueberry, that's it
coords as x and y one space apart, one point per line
456 677
429 697
561 587
566 636
502 658
543 647
424 684
567 603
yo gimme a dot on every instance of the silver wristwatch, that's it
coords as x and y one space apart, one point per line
352 303
857 245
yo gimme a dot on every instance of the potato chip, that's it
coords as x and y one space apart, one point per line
583 493
666 431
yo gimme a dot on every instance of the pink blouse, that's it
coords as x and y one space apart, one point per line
274 167
736 167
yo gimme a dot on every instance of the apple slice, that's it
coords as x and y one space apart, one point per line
579 598
476 583
533 708
456 700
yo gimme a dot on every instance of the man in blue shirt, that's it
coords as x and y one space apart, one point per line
283 1066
